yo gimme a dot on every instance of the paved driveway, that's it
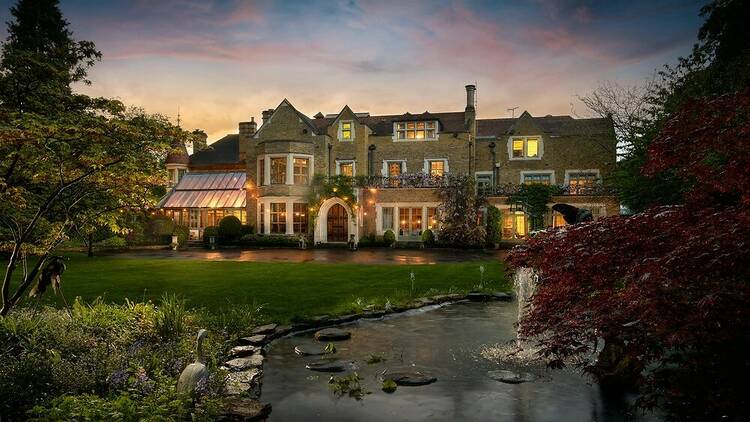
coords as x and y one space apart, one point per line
362 256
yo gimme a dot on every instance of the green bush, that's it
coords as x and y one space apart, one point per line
389 237
278 240
160 226
494 225
182 233
428 238
114 242
372 241
208 232
230 228
247 229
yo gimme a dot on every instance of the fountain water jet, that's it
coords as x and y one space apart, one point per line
524 283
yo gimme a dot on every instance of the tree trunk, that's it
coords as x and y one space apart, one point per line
615 369
6 303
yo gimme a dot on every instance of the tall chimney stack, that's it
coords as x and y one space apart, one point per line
267 115
471 91
248 128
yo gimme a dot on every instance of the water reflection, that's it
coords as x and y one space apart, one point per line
446 343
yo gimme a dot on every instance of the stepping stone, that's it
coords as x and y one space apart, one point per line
257 340
478 296
332 334
241 382
242 351
283 330
265 329
502 296
248 410
243 364
409 378
310 350
330 366
424 302
510 377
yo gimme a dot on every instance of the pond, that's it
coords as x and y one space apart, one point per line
445 343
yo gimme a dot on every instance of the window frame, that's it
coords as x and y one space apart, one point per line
551 173
305 175
300 218
345 162
274 181
341 131
281 220
428 166
525 139
435 129
570 172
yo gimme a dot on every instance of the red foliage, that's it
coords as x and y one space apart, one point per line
671 283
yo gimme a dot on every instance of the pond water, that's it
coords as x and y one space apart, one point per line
443 342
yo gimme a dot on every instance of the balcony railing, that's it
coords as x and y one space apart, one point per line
509 189
406 180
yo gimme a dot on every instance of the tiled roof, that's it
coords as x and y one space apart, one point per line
224 151
551 125
208 190
178 155
383 125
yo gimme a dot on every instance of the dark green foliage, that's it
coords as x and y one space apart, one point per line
182 233
533 199
372 241
247 229
460 212
274 240
230 228
114 242
389 237
494 225
428 238
208 232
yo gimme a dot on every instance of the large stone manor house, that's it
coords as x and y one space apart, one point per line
263 174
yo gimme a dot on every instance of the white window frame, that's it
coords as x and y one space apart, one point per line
525 138
484 173
340 162
289 168
396 222
525 173
427 161
573 171
341 131
384 171
395 131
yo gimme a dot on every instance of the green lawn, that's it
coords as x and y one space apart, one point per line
286 290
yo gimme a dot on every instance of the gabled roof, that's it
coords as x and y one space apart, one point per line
301 115
224 151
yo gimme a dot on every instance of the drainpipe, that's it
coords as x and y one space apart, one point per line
330 147
494 160
370 160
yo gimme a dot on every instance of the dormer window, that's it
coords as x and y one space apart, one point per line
416 131
525 147
346 131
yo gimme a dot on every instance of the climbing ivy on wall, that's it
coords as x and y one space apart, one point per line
533 199
324 187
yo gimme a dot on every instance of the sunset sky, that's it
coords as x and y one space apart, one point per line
224 61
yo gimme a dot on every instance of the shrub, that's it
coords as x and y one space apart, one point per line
183 234
247 229
170 317
208 232
372 241
494 228
114 242
160 226
278 240
428 237
389 237
230 228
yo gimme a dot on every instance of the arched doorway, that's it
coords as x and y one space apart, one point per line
337 224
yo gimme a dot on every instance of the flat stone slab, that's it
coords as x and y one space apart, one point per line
310 350
332 334
478 296
502 296
243 351
256 340
243 364
265 329
424 301
248 410
510 377
330 366
241 382
409 378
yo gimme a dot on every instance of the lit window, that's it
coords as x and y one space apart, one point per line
261 171
262 220
525 147
394 171
437 168
558 220
346 131
301 171
278 171
581 181
346 168
432 220
278 217
387 218
538 178
299 219
514 224
416 130
519 218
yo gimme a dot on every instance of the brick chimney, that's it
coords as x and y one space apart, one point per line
471 100
248 128
470 123
267 115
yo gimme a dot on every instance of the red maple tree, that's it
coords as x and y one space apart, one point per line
666 289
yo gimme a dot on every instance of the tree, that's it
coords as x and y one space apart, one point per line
461 212
666 289
67 160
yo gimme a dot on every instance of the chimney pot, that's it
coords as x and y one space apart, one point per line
471 91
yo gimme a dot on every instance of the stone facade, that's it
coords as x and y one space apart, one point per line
290 148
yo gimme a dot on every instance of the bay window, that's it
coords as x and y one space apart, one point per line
278 170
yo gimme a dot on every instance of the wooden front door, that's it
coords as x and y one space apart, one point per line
338 227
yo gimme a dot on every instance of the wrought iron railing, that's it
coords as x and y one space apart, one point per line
509 189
